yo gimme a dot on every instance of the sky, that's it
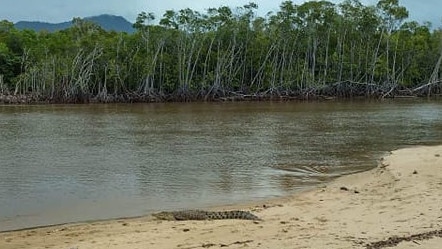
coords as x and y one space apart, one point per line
64 10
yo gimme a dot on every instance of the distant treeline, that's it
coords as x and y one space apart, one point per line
313 50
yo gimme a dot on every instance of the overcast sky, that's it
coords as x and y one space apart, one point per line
65 10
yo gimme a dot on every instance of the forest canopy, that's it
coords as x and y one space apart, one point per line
317 48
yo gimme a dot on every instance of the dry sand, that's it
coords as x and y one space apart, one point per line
401 197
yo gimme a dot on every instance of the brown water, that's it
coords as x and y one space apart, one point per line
67 163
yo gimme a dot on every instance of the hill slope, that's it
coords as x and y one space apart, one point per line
107 22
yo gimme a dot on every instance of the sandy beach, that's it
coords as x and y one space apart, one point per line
397 204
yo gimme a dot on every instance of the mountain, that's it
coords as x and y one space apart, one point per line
107 22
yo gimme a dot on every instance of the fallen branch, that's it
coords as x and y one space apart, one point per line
395 240
426 85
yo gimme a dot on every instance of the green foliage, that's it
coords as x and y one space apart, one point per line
223 50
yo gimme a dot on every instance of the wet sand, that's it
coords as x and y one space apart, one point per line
400 198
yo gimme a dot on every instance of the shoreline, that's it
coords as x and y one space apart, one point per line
130 98
399 198
244 205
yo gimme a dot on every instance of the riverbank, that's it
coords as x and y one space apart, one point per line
399 199
28 99
328 93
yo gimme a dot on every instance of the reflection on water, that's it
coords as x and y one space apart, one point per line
64 163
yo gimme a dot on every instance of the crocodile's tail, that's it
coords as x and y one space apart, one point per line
236 214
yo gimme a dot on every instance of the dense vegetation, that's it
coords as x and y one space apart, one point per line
304 51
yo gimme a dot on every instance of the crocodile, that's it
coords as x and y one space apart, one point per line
205 215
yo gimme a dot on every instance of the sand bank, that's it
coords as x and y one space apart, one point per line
400 198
